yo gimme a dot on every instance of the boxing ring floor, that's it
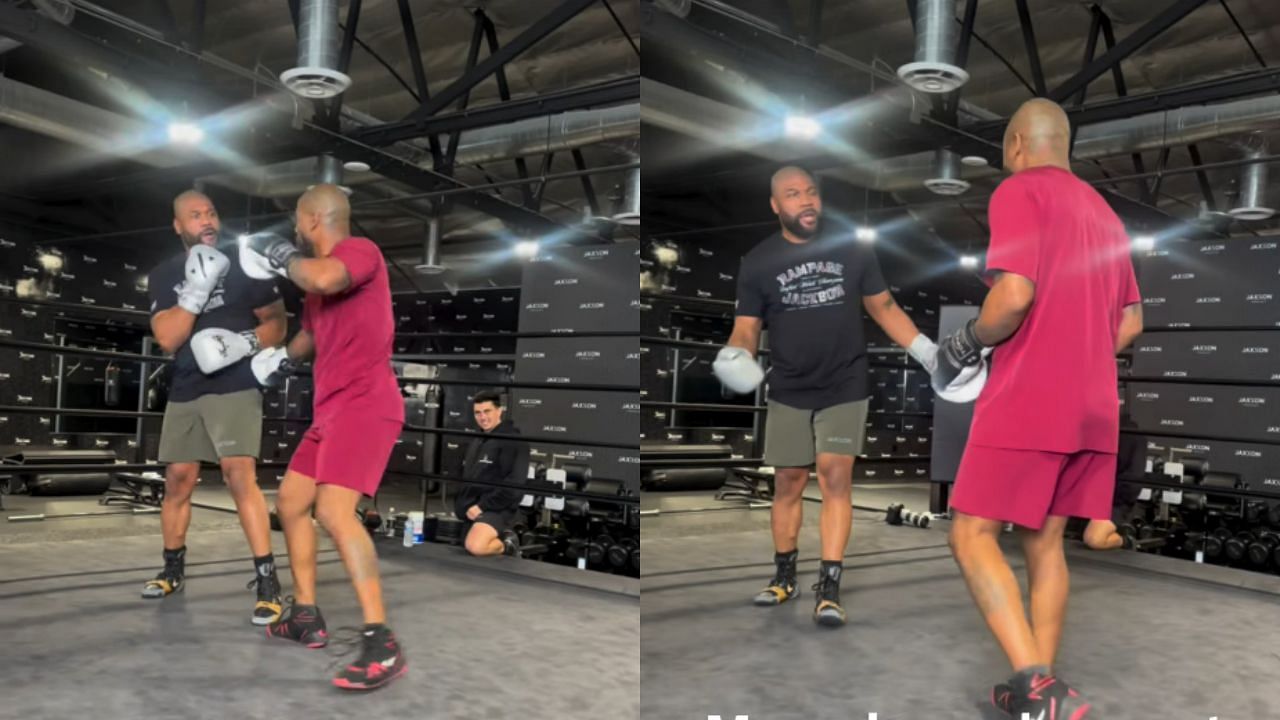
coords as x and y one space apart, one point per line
1140 643
484 638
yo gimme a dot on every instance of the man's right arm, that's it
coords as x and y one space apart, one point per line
1130 326
172 328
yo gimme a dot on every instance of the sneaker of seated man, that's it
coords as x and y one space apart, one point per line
490 510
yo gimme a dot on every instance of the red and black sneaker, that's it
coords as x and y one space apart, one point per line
379 663
301 623
1045 697
1002 698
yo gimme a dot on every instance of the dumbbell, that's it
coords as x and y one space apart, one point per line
371 519
1255 512
620 553
1146 532
1212 547
1273 516
1260 550
898 514
597 549
634 559
1237 547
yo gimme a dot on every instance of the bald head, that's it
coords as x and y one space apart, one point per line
1039 133
329 204
797 203
195 220
188 198
323 219
789 176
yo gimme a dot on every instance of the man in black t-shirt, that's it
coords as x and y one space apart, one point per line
202 297
492 510
809 288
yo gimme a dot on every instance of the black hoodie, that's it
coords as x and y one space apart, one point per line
495 460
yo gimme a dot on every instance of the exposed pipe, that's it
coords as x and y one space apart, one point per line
430 264
1251 204
735 128
946 180
629 209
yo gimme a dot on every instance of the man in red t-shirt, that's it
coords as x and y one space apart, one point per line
347 325
1063 302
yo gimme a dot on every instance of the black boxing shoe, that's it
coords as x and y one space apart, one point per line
1002 698
1041 696
828 612
302 624
380 660
783 586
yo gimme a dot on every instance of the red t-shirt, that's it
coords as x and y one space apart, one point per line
353 332
1052 385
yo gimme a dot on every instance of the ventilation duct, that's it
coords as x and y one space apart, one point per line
933 70
316 75
629 207
679 8
329 172
431 251
946 180
1252 202
60 11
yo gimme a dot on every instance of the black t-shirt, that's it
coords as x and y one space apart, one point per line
230 307
810 298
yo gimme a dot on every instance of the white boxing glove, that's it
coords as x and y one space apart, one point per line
272 366
266 255
925 352
203 270
966 386
737 370
216 348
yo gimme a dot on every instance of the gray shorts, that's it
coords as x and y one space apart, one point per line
212 427
794 437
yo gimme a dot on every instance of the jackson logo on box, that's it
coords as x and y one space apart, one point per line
1147 396
633 356
595 254
1171 422
587 354
1182 276
1203 399
566 281
1153 301
1212 249
1259 298
1263 246
591 306
631 407
583 406
1248 453
530 402
555 428
1208 300
532 355
1255 350
1252 402
1204 349
536 307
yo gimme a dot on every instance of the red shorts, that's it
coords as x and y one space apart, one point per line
350 450
1026 486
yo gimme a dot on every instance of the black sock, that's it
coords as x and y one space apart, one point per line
375 628
175 561
832 570
265 566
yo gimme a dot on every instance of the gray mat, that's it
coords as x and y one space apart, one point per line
1139 645
80 642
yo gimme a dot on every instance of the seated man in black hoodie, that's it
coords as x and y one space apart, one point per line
492 510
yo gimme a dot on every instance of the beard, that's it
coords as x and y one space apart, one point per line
189 241
795 225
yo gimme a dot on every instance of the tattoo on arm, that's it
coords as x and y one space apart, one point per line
888 303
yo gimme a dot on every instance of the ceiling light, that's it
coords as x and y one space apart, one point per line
969 261
527 248
185 133
1144 243
866 234
802 127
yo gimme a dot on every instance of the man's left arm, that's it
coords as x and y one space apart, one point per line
514 463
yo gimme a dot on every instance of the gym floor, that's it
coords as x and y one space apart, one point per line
1147 636
486 637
